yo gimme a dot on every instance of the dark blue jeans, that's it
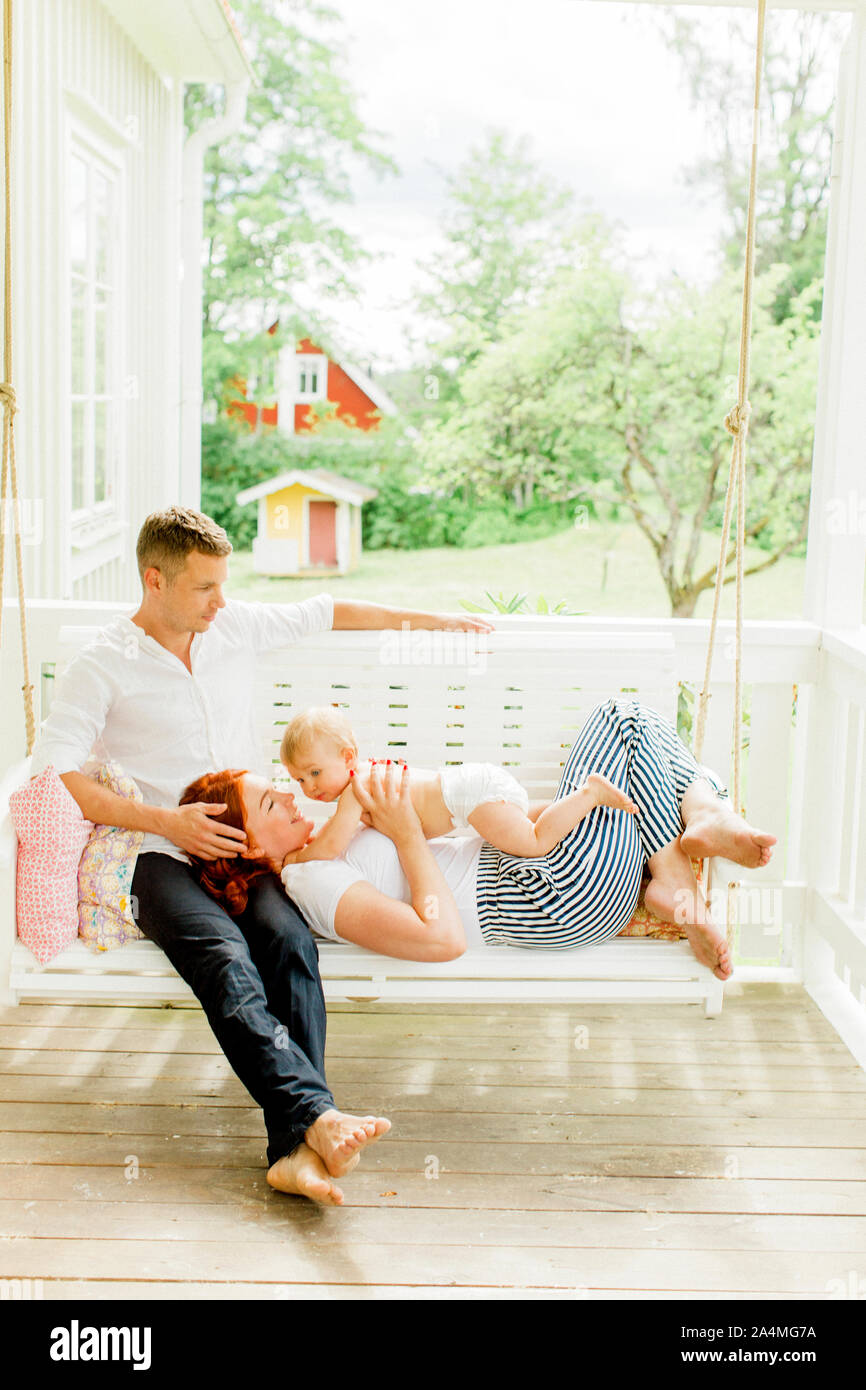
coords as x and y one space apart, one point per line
257 979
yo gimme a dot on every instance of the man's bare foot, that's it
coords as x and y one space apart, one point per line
303 1174
683 905
721 831
338 1138
606 794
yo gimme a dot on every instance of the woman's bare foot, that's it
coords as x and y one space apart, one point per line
686 907
710 947
721 831
338 1138
303 1174
606 794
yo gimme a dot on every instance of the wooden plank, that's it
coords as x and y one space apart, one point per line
346 1263
441 1126
758 1078
556 1025
239 1187
275 1221
512 1099
557 1161
151 1290
420 1046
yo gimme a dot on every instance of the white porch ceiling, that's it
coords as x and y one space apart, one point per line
193 40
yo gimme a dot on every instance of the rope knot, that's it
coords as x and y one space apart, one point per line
737 418
7 397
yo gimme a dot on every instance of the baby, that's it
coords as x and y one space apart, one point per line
320 752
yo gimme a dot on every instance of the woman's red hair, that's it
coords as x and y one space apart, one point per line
226 880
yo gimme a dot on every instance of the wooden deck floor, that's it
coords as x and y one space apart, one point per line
539 1151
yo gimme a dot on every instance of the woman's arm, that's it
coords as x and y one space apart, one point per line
428 927
371 919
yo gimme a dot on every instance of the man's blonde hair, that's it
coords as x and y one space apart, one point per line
320 721
166 538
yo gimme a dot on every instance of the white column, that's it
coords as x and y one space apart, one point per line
837 523
287 386
189 483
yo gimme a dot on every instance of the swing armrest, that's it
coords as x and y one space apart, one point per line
14 777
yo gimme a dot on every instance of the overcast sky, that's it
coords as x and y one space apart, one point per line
589 81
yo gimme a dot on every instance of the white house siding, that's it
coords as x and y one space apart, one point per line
74 64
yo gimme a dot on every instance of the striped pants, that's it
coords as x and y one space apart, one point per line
586 889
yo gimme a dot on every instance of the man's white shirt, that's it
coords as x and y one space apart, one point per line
128 700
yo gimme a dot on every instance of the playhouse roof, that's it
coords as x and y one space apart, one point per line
343 489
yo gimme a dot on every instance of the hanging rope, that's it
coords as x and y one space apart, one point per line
737 425
8 473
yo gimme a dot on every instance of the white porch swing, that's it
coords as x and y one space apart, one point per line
540 680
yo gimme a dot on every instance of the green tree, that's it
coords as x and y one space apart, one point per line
535 421
603 393
796 136
273 190
507 230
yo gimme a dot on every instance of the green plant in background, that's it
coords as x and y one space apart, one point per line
518 603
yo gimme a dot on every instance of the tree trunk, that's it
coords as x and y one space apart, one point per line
684 602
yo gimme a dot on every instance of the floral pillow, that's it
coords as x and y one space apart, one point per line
51 832
105 904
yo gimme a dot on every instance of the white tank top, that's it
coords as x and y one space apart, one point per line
318 886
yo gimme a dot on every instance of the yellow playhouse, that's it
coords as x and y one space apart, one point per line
309 522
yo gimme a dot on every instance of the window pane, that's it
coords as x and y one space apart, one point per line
101 225
100 312
78 498
100 461
78 214
79 348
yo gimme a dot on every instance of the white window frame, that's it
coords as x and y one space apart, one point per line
306 363
97 531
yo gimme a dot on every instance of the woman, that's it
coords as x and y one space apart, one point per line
399 894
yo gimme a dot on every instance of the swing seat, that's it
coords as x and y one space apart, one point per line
522 710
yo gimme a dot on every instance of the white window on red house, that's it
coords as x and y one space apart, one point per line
312 378
94 266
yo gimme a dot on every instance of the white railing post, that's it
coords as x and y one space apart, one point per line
837 523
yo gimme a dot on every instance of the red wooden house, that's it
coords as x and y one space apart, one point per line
305 377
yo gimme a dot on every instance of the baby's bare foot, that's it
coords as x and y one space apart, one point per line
606 794
338 1138
725 833
303 1174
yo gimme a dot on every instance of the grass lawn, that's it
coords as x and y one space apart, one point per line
604 568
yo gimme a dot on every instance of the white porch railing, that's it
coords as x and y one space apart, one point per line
833 961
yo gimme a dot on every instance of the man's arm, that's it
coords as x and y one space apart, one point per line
356 614
192 828
76 720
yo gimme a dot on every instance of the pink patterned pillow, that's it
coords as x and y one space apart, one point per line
52 833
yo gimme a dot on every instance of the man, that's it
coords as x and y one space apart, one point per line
167 693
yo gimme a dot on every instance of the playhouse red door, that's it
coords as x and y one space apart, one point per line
323 533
